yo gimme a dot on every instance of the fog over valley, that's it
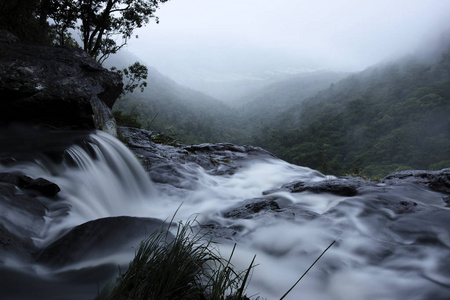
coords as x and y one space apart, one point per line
227 48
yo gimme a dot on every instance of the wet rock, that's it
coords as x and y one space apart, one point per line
45 187
220 232
347 186
405 207
249 208
436 180
9 178
59 87
175 164
269 207
41 185
20 142
21 221
99 239
447 201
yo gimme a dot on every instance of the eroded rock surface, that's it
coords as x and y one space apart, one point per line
173 165
436 180
98 239
58 87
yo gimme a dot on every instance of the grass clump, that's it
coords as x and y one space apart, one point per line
185 266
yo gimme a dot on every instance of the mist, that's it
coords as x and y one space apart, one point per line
206 42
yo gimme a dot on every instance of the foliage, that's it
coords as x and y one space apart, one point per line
64 15
125 119
387 118
21 17
176 111
182 267
164 138
134 76
105 25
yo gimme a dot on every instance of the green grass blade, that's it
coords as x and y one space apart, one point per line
310 267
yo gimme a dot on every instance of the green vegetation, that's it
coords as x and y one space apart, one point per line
187 115
105 26
387 118
186 266
265 105
183 267
22 18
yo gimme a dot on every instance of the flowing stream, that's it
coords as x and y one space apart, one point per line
380 253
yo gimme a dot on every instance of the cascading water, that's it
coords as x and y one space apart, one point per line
381 254
99 178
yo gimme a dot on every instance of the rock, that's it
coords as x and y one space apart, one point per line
249 208
335 186
59 87
447 201
9 178
438 181
345 186
172 165
98 239
405 207
45 187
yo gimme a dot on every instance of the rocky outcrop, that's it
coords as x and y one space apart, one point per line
41 185
98 239
172 165
343 186
58 87
438 181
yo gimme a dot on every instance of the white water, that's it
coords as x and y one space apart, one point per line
369 261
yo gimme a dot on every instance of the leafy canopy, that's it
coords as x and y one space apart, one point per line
105 25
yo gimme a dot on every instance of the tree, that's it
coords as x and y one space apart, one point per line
20 18
134 76
64 14
105 25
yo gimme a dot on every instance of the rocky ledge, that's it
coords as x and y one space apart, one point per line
58 87
173 164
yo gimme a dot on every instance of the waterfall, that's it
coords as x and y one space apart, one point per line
380 254
98 177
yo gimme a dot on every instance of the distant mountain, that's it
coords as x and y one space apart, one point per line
267 103
389 117
168 107
233 87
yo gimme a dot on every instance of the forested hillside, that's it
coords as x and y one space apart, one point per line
193 117
264 106
389 117
187 115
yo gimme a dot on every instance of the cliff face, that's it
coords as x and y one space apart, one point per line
59 87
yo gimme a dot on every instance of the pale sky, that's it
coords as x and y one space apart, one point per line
209 37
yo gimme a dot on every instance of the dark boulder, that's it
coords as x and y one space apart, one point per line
59 87
99 239
44 186
405 207
250 208
345 186
438 181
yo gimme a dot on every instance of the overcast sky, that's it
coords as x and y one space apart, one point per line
248 36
